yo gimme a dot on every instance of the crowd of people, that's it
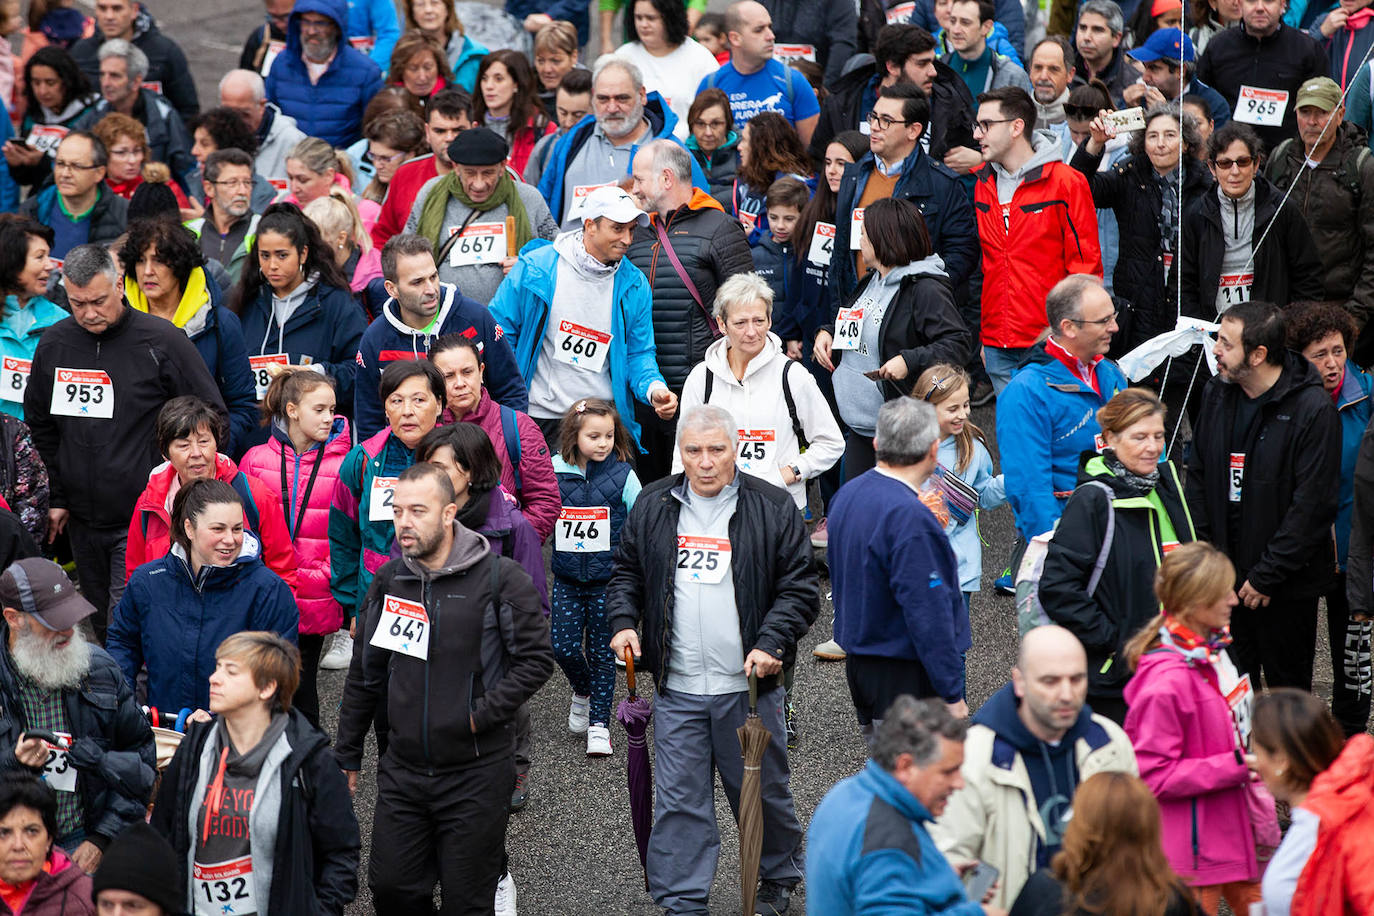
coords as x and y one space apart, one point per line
448 352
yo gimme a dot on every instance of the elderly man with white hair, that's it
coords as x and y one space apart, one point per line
728 553
245 93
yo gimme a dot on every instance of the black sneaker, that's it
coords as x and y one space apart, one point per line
983 394
772 900
521 796
790 720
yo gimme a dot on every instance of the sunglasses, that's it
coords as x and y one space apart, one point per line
1081 112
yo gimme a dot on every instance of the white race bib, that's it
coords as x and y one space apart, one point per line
702 559
480 243
748 221
1264 107
582 190
274 48
1233 289
1237 480
262 372
85 393
583 530
379 506
58 771
902 12
404 628
788 53
848 324
856 225
822 244
584 348
45 137
14 378
757 450
225 888
364 43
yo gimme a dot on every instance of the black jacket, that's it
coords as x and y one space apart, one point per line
721 167
1043 895
1130 191
1287 268
315 857
166 63
831 26
712 248
1291 481
15 541
776 589
97 467
108 220
489 651
952 111
1124 600
1117 76
112 745
1283 60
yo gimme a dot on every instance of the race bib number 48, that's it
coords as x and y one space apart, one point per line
822 244
702 559
225 888
583 530
87 393
404 628
1264 107
14 378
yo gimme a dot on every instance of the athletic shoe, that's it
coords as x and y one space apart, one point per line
598 741
789 718
1005 584
340 654
819 536
577 714
772 900
983 394
829 651
505 896
521 796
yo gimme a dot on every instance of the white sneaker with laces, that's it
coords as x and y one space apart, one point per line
577 714
505 896
340 654
598 741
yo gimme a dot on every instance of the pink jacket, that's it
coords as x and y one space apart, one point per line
538 499
320 613
1185 744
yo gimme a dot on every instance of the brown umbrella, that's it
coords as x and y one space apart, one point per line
753 740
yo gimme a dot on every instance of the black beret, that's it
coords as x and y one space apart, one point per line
478 146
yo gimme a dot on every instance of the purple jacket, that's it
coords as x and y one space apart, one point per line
1185 744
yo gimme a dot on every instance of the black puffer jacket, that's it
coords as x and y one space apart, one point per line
1284 60
166 63
712 248
1130 191
776 589
1291 483
1124 600
112 747
831 26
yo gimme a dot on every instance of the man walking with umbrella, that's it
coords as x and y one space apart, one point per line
721 567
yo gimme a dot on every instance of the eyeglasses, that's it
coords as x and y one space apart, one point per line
709 125
985 126
385 160
621 100
1080 112
883 122
1099 322
1225 165
232 183
63 165
316 25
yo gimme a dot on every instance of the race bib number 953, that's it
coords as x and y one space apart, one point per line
87 393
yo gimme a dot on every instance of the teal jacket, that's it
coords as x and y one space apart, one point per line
19 332
359 547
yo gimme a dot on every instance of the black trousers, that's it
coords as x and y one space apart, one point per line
859 457
307 698
448 829
875 681
99 556
1351 669
1278 641
658 438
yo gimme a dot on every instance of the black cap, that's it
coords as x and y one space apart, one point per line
140 861
152 198
478 146
39 587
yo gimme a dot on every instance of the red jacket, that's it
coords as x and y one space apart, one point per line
150 529
1338 878
400 197
1048 232
523 144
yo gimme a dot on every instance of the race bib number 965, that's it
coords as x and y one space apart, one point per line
1264 107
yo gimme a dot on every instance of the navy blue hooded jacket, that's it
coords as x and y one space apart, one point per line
331 109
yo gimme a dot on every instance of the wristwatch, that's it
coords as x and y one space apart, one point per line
796 471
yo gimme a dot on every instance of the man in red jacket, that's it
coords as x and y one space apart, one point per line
446 116
1036 223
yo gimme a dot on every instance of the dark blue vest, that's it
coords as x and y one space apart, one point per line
604 485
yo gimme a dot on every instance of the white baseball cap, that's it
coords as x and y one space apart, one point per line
613 203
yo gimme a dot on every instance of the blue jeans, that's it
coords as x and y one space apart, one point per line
1000 362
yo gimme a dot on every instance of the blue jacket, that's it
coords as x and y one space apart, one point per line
389 338
867 851
777 263
1345 49
20 330
468 59
661 124
1046 419
1355 407
521 307
331 109
574 11
933 187
375 19
1008 13
326 327
173 622
896 581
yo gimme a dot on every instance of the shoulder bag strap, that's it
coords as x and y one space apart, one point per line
686 280
802 443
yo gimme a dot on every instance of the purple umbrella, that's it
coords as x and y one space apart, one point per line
634 713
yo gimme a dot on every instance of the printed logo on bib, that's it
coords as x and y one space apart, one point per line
1237 481
702 559
153 86
403 627
1240 697
45 137
902 12
279 183
14 378
1264 107
383 493
85 393
789 53
848 323
225 888
364 43
583 530
1234 289
582 347
58 771
480 243
581 191
756 449
1168 547
1099 443
262 370
274 48
856 225
822 244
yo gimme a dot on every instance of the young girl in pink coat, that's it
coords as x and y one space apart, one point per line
300 463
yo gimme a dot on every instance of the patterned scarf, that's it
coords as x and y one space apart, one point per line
1141 483
1182 639
1168 209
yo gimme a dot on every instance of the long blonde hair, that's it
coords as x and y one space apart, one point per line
938 384
336 212
1192 575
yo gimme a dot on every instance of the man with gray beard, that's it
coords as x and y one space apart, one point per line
53 683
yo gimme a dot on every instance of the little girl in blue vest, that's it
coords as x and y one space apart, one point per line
598 487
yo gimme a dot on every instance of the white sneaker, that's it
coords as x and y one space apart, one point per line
505 896
340 654
577 714
598 741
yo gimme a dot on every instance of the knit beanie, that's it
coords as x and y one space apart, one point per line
141 862
154 197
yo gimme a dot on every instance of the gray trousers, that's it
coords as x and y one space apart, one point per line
692 736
